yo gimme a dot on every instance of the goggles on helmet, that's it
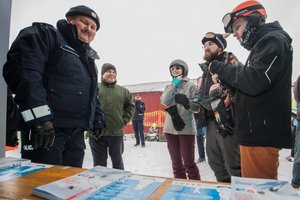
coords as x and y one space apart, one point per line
209 35
230 18
216 38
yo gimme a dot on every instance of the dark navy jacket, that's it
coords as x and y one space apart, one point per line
52 80
139 111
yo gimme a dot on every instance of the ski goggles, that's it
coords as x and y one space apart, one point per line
228 21
229 18
215 38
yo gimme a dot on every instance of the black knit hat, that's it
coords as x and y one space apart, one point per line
86 11
106 67
216 38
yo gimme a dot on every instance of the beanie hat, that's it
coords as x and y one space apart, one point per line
106 67
86 11
218 39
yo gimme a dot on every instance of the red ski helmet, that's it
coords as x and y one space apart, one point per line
244 9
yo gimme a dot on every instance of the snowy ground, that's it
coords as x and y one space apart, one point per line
154 160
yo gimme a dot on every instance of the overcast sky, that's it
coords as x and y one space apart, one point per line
142 37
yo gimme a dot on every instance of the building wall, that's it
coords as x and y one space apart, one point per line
154 111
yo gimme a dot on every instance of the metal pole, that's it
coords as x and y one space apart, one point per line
5 11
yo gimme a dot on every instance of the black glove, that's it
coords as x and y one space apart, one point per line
95 134
178 123
183 100
42 135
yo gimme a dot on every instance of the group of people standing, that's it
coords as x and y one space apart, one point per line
54 77
246 108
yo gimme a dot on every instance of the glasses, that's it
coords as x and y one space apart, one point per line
175 68
208 45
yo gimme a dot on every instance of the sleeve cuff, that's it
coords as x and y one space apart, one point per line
35 113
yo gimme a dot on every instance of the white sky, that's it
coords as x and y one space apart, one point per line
141 37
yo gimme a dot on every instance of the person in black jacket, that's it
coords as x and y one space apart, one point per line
53 75
138 121
263 88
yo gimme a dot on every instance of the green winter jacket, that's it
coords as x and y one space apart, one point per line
118 107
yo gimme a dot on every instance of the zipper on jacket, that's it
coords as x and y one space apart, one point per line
250 121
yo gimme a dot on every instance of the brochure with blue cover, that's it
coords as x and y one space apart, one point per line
12 172
81 185
11 168
182 190
133 187
259 189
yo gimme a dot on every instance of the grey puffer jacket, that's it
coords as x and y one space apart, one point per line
188 88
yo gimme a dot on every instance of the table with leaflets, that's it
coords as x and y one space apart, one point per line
168 188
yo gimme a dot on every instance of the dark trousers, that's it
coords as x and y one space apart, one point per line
115 147
201 132
182 152
68 148
223 154
138 126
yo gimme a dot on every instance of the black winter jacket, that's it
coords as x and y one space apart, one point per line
139 111
54 77
263 97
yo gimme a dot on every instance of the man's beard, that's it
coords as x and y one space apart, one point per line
210 56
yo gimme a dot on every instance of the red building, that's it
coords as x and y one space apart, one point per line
150 93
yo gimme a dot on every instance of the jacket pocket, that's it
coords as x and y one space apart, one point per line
69 103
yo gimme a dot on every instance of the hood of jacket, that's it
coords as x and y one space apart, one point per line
268 28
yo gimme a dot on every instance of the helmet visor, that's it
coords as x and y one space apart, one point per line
228 21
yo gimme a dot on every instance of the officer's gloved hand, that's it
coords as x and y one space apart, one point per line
183 100
95 133
42 135
178 123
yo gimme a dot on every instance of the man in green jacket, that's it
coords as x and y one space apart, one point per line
118 106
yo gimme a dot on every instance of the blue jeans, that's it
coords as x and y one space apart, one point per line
296 166
201 132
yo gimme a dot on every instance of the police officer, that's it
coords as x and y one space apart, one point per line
138 121
53 74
